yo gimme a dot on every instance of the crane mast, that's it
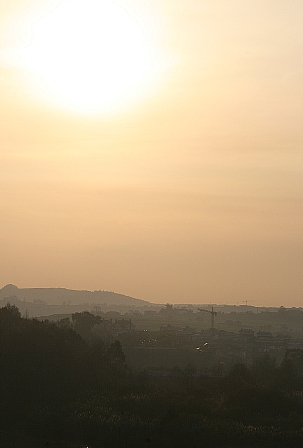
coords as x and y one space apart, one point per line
213 314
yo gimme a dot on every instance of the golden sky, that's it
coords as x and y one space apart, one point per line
153 148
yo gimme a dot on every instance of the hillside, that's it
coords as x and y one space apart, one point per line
57 296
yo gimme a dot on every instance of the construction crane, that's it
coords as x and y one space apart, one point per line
213 314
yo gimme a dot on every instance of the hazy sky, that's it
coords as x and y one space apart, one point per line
158 155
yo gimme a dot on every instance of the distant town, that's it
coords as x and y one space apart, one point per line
95 373
206 338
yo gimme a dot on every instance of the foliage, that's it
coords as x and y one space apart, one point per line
84 322
42 363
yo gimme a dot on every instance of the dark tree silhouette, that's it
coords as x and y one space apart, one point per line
83 323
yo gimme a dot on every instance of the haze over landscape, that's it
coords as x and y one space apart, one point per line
174 175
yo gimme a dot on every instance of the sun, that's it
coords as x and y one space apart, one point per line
89 55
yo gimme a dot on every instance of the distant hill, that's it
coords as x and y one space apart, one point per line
57 296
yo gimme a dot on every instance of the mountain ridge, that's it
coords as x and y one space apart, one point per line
56 296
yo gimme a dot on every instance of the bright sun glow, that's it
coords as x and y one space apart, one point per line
89 54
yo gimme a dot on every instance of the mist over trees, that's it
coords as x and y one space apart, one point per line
59 381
